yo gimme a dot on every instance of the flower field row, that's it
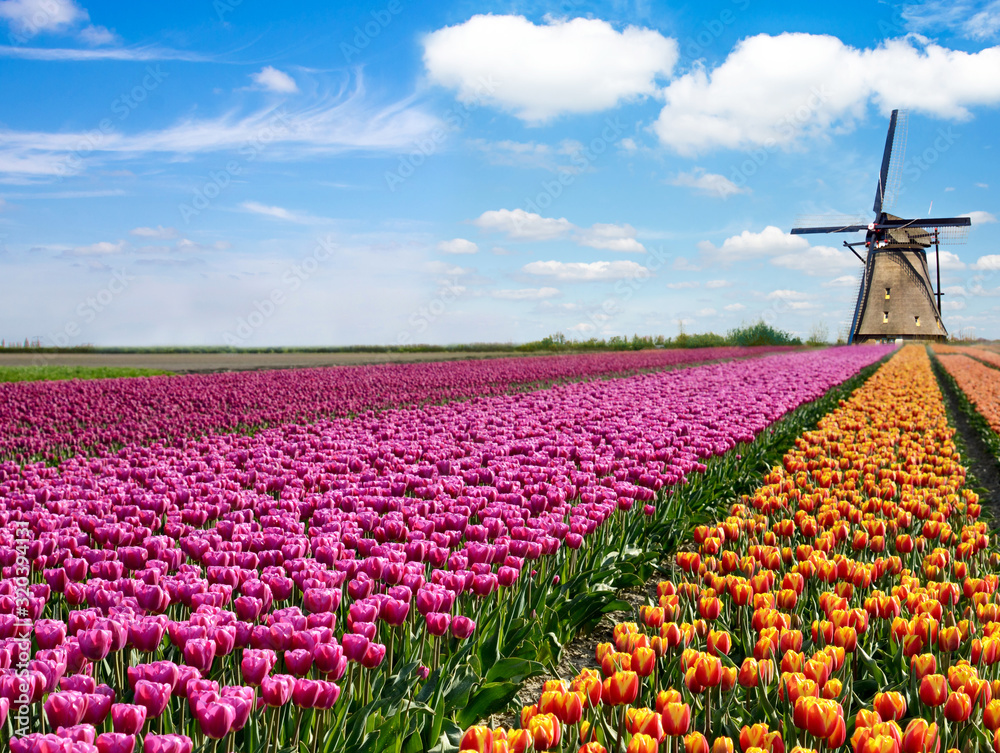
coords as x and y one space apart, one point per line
987 356
347 576
850 600
53 420
981 384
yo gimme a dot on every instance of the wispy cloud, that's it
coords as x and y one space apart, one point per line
343 122
149 53
280 213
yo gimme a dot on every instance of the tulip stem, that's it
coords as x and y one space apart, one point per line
621 728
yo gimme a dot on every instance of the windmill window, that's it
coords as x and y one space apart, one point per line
916 320
887 290
885 316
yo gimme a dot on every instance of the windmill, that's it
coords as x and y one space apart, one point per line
895 297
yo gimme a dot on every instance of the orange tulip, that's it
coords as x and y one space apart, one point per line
695 743
933 690
708 670
890 705
478 739
643 661
676 719
527 713
922 665
991 715
949 639
921 737
642 744
958 707
593 747
667 696
545 731
569 707
719 642
722 745
519 741
623 687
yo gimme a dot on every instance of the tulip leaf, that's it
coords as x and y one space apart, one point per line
514 669
488 699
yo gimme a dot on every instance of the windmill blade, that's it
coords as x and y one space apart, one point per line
946 236
828 229
892 222
891 170
894 177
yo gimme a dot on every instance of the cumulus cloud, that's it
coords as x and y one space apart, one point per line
97 35
159 232
526 294
611 237
582 272
718 284
521 225
686 285
708 184
271 79
980 217
538 72
102 248
31 17
771 241
786 295
734 307
948 261
819 261
991 262
844 281
457 246
775 90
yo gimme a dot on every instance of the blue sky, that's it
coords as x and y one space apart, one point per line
396 171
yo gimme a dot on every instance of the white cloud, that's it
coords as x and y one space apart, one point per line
328 126
97 35
521 225
734 307
142 54
526 294
280 213
540 72
155 232
687 285
952 305
954 290
976 20
981 218
948 261
991 262
708 184
272 79
844 281
450 270
102 248
982 185
718 284
771 241
707 312
30 17
786 295
619 238
189 246
580 271
819 261
458 246
775 90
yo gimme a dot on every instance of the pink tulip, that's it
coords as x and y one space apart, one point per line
199 653
215 719
462 627
153 696
115 742
437 623
277 689
65 708
127 718
167 744
299 661
95 644
256 664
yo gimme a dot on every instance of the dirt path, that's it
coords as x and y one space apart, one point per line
976 454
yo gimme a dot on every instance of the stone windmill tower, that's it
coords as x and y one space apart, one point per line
895 297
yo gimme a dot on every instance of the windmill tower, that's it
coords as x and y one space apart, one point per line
895 296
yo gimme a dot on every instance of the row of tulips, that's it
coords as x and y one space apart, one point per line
54 420
980 383
851 600
204 581
985 355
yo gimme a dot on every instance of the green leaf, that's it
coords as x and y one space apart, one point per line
489 699
514 669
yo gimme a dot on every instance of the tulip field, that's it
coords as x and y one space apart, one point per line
378 558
